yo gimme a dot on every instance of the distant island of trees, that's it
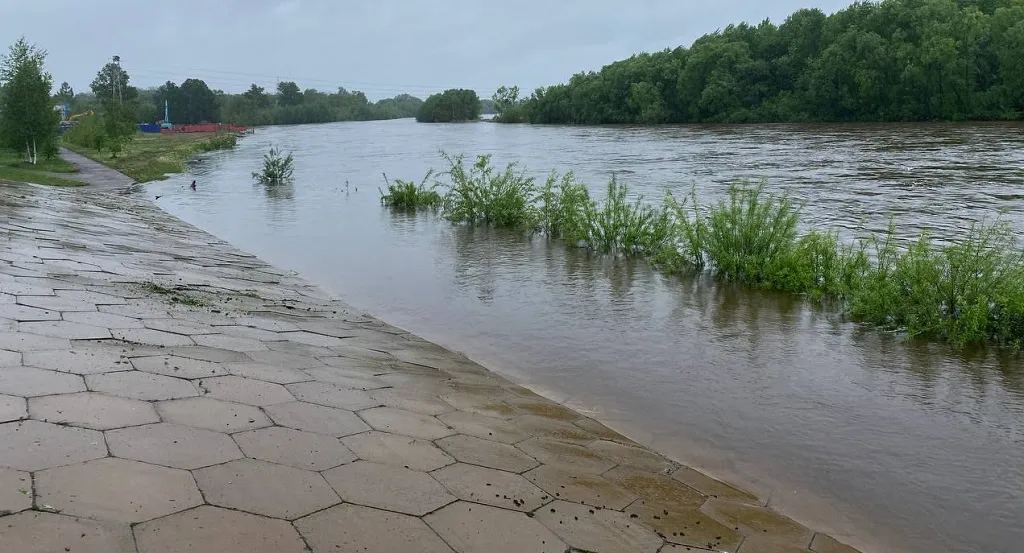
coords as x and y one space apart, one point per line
894 60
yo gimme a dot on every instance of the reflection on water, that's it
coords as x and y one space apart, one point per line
902 446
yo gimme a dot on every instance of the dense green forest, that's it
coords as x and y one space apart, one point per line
894 60
193 101
456 104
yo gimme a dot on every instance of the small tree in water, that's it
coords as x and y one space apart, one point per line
277 168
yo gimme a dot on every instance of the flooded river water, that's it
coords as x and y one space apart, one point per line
893 446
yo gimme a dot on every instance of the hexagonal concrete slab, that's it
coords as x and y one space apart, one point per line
760 544
117 490
285 360
580 487
472 528
397 450
597 530
636 457
685 525
232 343
482 404
346 378
492 487
209 529
151 337
28 382
35 532
316 418
546 409
542 427
140 385
760 521
246 390
179 367
172 445
212 414
9 358
603 432
287 446
711 487
12 408
411 400
177 326
106 320
480 426
33 445
570 456
25 314
15 491
65 329
407 423
823 543
387 487
329 395
267 373
265 488
85 361
495 455
311 339
355 528
92 410
655 487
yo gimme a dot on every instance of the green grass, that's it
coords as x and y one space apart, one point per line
150 157
408 195
53 165
36 177
969 291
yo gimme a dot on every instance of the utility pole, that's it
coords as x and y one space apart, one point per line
115 81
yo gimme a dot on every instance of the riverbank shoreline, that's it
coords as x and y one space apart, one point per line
123 255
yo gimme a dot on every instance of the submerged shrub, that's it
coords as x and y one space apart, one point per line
277 168
219 141
482 195
407 195
617 225
967 292
564 204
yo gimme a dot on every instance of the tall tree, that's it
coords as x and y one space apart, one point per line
119 109
200 103
65 94
28 121
288 94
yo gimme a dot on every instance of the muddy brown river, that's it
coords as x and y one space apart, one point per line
893 446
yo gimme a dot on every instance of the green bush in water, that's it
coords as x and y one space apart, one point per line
407 195
219 141
969 291
481 195
564 205
277 168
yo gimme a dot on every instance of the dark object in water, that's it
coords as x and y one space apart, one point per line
193 185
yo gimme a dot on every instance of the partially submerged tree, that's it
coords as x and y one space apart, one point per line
28 121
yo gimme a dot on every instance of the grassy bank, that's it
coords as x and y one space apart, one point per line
13 167
969 291
150 157
36 177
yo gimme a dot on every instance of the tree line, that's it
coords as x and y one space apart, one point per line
893 60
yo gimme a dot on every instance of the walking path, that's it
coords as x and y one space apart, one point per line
163 392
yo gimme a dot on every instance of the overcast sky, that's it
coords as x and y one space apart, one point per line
382 47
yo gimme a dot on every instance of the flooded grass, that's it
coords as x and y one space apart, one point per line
408 195
150 157
970 291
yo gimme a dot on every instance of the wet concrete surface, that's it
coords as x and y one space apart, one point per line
201 400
